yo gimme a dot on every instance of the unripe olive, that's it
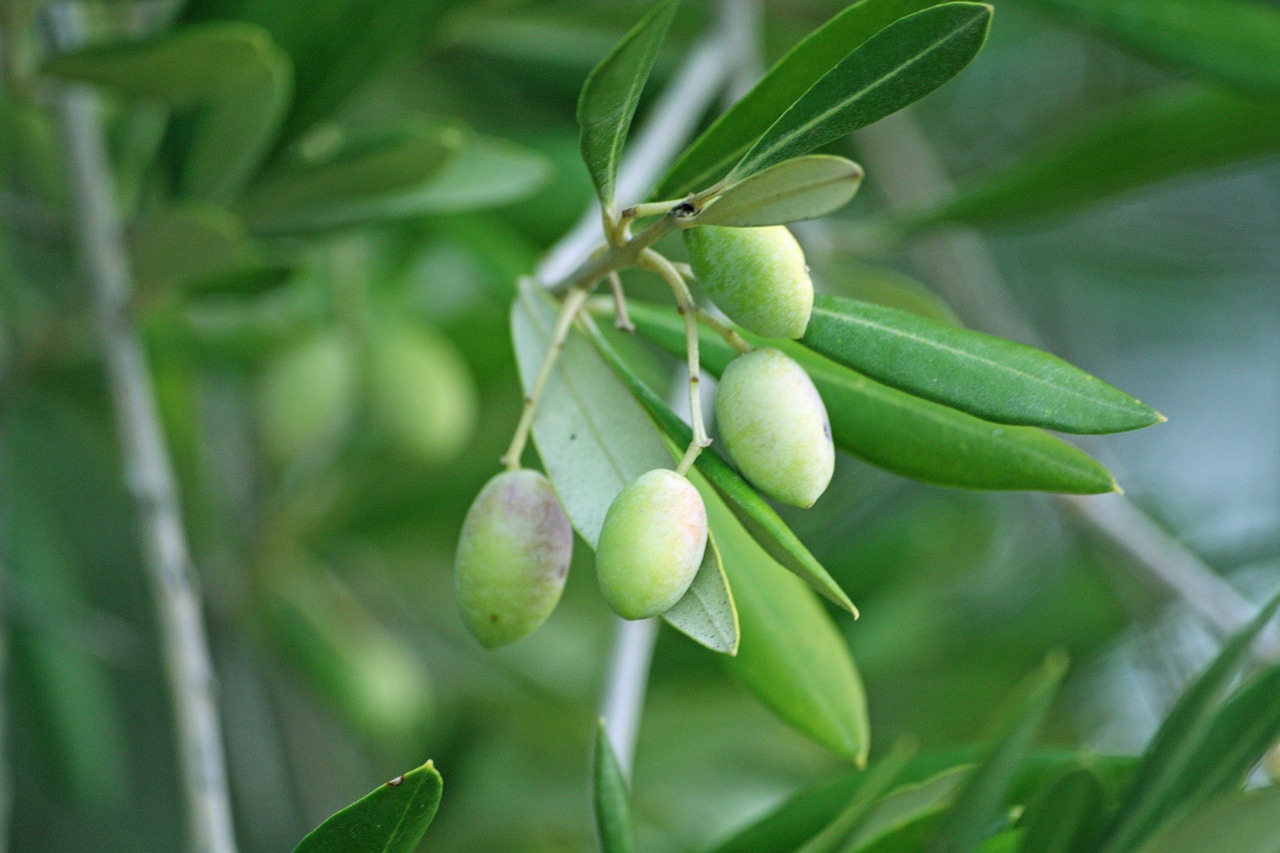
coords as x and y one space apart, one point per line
307 395
651 544
422 394
775 427
757 276
513 556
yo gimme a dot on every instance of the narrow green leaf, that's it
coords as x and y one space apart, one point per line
979 804
909 812
996 379
706 613
1143 141
484 172
1232 41
609 794
234 131
721 145
592 435
835 835
611 94
900 65
791 655
803 188
887 287
185 243
240 283
1174 746
391 819
179 68
909 436
1066 816
1237 823
756 515
363 182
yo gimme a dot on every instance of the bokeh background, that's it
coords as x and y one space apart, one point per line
333 397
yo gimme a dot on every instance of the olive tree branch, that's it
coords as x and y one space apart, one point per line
148 469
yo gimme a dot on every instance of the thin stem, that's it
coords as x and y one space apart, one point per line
724 330
568 311
622 319
655 262
616 257
650 208
148 469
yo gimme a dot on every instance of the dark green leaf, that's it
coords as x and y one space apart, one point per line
391 819
185 243
996 379
755 514
807 677
803 188
734 132
900 65
179 68
909 436
240 283
611 94
706 613
1066 816
1140 142
609 794
979 804
1234 41
1174 746
1236 823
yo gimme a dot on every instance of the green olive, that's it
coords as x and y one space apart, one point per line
775 427
307 395
513 557
651 544
757 276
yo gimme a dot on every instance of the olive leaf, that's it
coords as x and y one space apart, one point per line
706 613
1066 815
609 797
1249 822
803 188
390 819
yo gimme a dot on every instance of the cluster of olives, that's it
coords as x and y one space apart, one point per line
515 547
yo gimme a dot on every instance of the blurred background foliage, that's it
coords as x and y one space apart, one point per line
323 290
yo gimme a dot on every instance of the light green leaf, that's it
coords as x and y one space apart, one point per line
910 811
803 188
1250 822
910 436
900 65
979 803
1233 41
996 379
706 613
611 94
362 182
722 144
484 172
1139 142
755 514
391 819
179 68
1175 744
791 655
1066 816
593 437
609 795
232 134
835 835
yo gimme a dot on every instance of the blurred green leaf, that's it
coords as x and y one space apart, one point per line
721 145
179 68
1140 142
898 66
979 803
791 655
1234 41
1249 822
184 243
1175 744
990 377
909 436
609 795
245 282
706 613
910 812
803 188
390 819
611 94
361 183
1066 816
834 837
755 514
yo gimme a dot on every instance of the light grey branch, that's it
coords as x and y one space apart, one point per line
148 469
909 174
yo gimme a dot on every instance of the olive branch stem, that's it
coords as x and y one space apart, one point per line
724 330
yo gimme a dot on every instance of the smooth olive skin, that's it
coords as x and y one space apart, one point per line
757 276
775 427
513 557
651 544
